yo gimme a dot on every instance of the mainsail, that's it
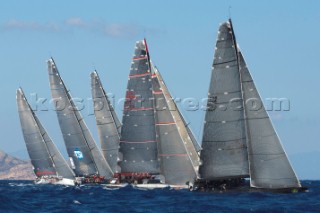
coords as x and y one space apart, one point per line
109 126
138 135
179 160
86 159
269 165
224 151
45 157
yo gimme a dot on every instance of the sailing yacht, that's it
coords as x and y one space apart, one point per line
138 146
86 159
157 146
239 140
48 164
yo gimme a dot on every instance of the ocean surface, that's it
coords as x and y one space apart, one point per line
24 196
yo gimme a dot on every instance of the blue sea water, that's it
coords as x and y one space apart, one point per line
24 196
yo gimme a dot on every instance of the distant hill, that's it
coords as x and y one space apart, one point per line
14 168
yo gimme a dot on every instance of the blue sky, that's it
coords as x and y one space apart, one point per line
279 39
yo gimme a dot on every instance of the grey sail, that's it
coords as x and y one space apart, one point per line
179 160
138 141
45 157
86 159
108 124
224 151
269 165
190 133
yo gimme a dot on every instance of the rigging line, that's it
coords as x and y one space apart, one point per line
229 11
201 127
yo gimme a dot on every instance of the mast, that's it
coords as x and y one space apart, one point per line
224 150
45 157
138 135
247 132
269 164
179 159
84 155
108 124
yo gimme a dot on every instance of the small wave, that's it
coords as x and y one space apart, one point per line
76 202
21 184
110 188
142 189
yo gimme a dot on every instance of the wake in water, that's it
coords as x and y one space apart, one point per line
24 196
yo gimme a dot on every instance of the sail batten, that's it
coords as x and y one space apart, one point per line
79 142
45 157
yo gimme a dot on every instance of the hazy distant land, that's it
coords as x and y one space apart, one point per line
14 168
